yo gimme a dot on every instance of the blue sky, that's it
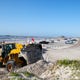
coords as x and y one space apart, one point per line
40 17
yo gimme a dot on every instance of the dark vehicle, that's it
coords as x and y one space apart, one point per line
52 41
44 42
69 42
65 39
73 40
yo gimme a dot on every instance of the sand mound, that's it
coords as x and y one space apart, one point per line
37 68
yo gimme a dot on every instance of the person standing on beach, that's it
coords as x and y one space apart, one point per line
33 40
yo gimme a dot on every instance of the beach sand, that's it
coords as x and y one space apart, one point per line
58 51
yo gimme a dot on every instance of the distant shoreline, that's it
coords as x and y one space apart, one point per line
18 36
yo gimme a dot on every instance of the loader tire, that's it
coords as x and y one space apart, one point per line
10 66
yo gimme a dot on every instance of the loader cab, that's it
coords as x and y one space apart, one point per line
6 48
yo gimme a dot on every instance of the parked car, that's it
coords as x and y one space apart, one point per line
52 41
44 42
69 42
73 40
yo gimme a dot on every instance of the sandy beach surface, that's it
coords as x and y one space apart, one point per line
60 50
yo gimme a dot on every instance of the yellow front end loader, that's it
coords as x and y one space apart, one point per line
10 56
15 55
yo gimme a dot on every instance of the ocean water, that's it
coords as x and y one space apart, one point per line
19 39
